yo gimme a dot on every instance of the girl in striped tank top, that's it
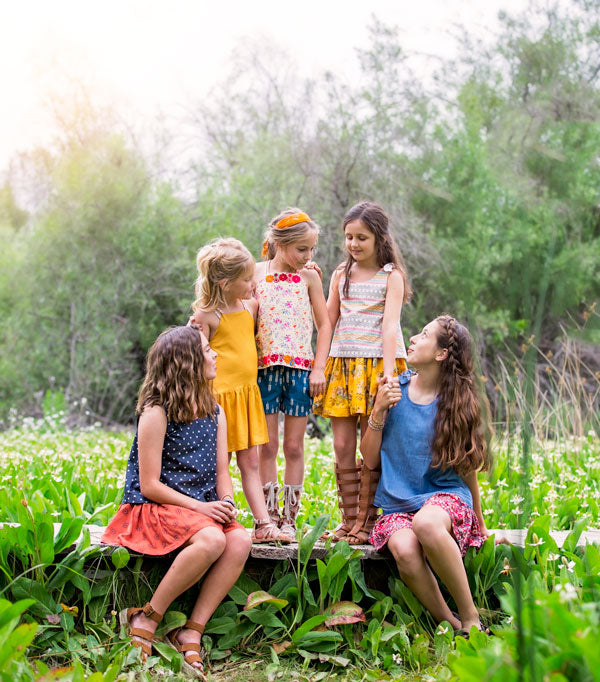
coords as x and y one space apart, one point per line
365 300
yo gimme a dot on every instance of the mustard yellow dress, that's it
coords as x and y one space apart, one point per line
235 384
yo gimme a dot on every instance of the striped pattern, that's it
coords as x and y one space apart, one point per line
358 330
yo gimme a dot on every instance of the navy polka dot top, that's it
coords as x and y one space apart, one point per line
189 462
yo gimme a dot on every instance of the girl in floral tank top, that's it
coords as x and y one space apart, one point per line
289 374
365 301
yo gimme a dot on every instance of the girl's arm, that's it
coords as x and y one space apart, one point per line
252 304
224 484
388 394
321 316
207 321
473 484
391 316
333 300
152 428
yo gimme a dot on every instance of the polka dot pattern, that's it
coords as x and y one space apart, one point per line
189 462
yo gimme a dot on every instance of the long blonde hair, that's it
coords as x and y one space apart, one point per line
288 234
225 258
176 378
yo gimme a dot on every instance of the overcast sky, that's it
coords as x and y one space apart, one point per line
150 55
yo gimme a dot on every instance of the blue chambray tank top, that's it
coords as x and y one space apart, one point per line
407 480
189 462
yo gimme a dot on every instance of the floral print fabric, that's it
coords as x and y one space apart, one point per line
285 322
465 526
351 386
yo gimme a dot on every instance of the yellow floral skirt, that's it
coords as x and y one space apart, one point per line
351 386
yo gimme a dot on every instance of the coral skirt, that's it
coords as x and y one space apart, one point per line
157 529
351 386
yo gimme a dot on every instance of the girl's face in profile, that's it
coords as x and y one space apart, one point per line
360 241
242 286
424 348
210 359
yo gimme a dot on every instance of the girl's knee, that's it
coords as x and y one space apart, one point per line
428 529
239 543
406 551
293 449
210 542
248 460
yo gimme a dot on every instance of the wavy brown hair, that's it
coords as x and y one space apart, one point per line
175 377
460 434
376 221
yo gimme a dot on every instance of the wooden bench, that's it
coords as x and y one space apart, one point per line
279 552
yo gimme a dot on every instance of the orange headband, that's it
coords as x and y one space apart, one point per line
293 219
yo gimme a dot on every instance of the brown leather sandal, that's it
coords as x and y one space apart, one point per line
125 617
192 652
367 512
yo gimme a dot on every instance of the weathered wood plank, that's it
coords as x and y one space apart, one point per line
279 552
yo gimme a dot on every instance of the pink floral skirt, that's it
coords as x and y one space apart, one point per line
465 527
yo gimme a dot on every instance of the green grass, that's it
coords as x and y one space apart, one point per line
52 474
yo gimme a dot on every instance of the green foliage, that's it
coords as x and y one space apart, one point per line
321 612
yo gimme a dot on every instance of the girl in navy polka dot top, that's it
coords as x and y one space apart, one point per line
178 493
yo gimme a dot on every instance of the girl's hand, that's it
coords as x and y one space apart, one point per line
316 382
192 322
311 265
220 511
388 393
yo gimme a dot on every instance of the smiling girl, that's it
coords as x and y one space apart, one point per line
365 301
290 296
430 440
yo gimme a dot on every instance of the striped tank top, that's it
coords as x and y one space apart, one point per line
358 332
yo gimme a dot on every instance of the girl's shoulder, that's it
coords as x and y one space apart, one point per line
405 377
251 304
260 269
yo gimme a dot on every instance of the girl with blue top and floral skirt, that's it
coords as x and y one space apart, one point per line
178 493
426 431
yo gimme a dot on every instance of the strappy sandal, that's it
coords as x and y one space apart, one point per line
125 617
266 531
348 486
367 513
192 652
466 632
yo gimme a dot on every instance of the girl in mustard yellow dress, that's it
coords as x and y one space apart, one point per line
225 309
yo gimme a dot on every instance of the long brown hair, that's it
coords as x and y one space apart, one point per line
375 219
176 378
459 439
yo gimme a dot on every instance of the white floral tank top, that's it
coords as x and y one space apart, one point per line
285 323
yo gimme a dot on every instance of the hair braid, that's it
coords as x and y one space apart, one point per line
458 440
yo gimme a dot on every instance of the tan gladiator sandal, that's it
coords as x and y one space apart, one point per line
271 493
367 513
348 486
291 505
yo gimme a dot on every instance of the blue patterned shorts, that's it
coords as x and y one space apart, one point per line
285 389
